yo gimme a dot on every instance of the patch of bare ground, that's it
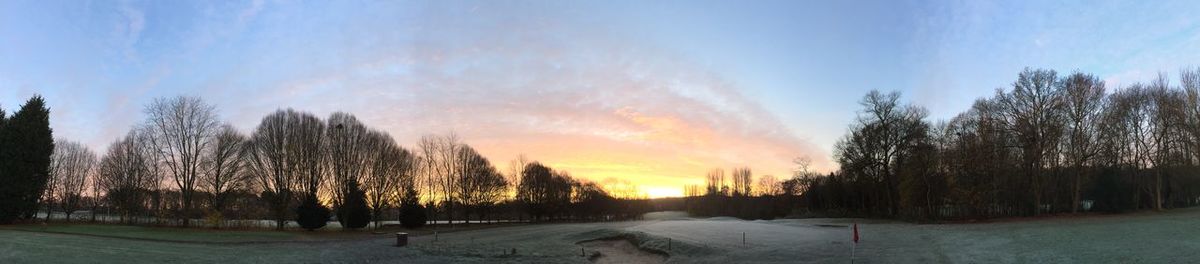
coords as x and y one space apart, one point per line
620 250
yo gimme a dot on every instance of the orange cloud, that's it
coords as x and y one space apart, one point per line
571 96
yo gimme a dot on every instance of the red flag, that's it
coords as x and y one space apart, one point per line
856 233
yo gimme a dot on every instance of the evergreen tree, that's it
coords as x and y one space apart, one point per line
311 214
7 194
412 215
354 212
26 143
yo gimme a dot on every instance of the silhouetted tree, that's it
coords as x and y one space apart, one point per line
877 142
125 173
351 150
180 132
715 182
544 192
391 180
224 164
354 212
283 156
1190 81
1032 112
479 185
742 179
438 156
1028 150
1083 103
1167 134
412 215
768 185
589 200
311 214
72 165
26 143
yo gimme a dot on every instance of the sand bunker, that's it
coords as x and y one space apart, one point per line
619 251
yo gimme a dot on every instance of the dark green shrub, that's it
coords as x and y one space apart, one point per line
354 212
412 216
311 215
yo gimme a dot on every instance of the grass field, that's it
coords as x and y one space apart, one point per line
1167 237
168 234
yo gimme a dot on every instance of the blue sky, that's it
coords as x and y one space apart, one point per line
616 91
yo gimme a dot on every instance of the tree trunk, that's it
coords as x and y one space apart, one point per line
1158 190
1075 195
186 210
375 218
1137 189
1037 193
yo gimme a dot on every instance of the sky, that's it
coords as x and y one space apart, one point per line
651 94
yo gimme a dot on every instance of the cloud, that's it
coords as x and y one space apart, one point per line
249 12
129 31
576 97
507 79
125 110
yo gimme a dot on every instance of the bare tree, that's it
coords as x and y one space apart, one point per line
391 170
438 154
1166 119
1125 130
125 173
881 137
224 164
72 165
1083 103
1029 150
51 188
803 166
94 180
350 150
742 181
283 156
768 185
516 168
1190 81
1031 111
308 151
543 191
180 131
479 185
715 182
1146 132
692 190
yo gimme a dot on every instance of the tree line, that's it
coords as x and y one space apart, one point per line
184 167
1047 144
738 196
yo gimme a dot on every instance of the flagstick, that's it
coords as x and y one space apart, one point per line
853 243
